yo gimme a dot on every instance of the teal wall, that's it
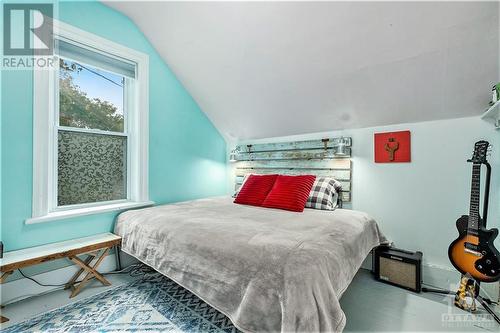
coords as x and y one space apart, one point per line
187 155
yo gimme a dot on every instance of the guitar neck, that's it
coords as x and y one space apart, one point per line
475 198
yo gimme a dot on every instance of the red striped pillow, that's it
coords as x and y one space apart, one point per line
255 189
290 193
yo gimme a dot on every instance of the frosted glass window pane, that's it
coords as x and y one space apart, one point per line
91 168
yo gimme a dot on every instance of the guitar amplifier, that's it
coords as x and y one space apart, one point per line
398 267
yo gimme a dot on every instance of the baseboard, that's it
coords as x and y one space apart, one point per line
367 263
449 278
23 288
445 278
433 275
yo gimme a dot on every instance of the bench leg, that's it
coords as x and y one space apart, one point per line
117 257
91 272
2 318
3 277
75 277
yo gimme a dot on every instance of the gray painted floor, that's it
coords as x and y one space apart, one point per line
378 307
369 306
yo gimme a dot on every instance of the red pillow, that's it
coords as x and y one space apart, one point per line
255 189
290 192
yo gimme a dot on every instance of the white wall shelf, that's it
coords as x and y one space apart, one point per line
493 115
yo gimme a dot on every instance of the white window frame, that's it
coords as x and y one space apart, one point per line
46 126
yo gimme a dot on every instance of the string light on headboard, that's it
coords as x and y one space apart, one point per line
249 150
340 149
342 146
233 154
325 143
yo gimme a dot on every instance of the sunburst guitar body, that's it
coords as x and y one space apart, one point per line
473 252
475 255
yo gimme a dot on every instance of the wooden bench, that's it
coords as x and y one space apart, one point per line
94 247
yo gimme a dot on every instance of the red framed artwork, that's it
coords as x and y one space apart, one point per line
392 147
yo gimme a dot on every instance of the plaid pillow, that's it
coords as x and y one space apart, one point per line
324 194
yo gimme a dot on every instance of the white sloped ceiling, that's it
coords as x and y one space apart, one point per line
265 69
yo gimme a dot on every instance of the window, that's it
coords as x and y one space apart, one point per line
93 157
92 138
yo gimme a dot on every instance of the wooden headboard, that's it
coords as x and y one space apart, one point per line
312 157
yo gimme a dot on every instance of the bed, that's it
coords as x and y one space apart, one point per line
266 269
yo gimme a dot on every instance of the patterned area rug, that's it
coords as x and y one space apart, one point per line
153 304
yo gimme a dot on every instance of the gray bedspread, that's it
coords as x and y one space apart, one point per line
266 269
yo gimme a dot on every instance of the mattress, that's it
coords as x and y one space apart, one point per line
266 269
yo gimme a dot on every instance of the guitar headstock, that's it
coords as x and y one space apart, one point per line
481 150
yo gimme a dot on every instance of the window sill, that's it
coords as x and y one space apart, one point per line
53 216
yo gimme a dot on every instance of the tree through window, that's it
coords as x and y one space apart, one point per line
91 164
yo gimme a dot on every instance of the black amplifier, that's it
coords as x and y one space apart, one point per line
398 267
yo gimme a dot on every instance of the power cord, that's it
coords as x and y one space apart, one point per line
424 289
133 270
443 291
490 302
39 283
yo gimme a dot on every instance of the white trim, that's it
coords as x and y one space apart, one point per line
23 288
53 190
89 204
64 214
89 131
94 42
443 277
45 126
127 86
43 102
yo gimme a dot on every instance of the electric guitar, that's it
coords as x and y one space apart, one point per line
473 252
